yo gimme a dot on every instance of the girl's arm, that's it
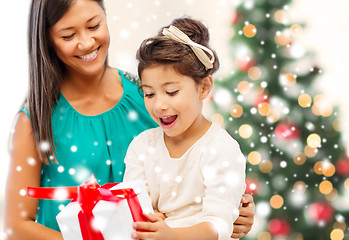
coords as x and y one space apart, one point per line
24 170
157 229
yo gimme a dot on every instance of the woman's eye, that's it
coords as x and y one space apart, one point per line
68 37
95 26
149 95
172 93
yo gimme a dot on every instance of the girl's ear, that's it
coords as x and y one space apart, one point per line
206 86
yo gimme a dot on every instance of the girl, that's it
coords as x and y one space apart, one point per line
79 117
194 170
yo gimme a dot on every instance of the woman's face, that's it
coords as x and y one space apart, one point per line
81 38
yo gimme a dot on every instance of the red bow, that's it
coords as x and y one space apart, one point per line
87 195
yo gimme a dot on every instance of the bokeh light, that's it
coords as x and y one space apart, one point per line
264 236
281 39
328 169
288 79
244 87
337 234
254 73
296 30
254 157
304 100
325 187
264 109
236 111
310 152
314 140
299 187
245 131
250 30
276 201
318 167
299 158
265 166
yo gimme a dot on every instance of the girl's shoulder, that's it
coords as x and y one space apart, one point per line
149 138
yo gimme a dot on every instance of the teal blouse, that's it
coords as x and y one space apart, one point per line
88 145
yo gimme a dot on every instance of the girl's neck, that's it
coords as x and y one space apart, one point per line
178 145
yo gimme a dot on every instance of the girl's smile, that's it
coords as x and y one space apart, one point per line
174 101
168 122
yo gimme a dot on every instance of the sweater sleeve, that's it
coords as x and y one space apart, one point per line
223 171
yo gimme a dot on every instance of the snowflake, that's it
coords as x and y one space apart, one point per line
31 161
44 146
73 148
72 171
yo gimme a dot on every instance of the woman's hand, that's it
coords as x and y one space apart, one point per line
244 222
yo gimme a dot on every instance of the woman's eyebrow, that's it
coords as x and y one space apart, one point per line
69 28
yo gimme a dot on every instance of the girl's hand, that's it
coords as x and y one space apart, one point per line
244 222
156 228
160 214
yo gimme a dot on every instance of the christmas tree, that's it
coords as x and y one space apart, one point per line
297 167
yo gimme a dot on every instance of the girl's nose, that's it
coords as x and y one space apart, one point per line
160 104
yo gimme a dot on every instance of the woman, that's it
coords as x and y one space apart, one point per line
83 114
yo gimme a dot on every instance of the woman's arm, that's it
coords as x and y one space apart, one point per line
244 222
24 170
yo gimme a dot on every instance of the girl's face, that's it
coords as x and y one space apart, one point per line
81 38
174 101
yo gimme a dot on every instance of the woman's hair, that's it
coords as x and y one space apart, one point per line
163 50
46 71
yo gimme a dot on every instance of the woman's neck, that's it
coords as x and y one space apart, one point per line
76 84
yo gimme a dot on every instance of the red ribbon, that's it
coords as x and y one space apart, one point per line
87 195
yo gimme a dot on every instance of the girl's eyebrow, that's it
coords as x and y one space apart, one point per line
164 84
69 28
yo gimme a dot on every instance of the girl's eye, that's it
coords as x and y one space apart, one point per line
68 37
95 26
149 95
172 93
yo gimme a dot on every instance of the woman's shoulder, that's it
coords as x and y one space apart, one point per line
132 77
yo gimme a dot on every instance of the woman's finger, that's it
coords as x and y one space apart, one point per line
237 235
242 221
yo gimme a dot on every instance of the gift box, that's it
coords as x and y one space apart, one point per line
99 212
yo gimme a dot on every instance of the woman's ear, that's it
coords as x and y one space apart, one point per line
206 86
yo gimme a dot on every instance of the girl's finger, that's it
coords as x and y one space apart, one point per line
151 217
143 235
147 226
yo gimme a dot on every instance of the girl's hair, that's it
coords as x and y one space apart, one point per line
46 70
163 50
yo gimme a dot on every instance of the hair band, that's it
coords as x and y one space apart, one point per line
175 34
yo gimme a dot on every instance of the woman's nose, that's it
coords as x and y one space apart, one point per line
86 42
